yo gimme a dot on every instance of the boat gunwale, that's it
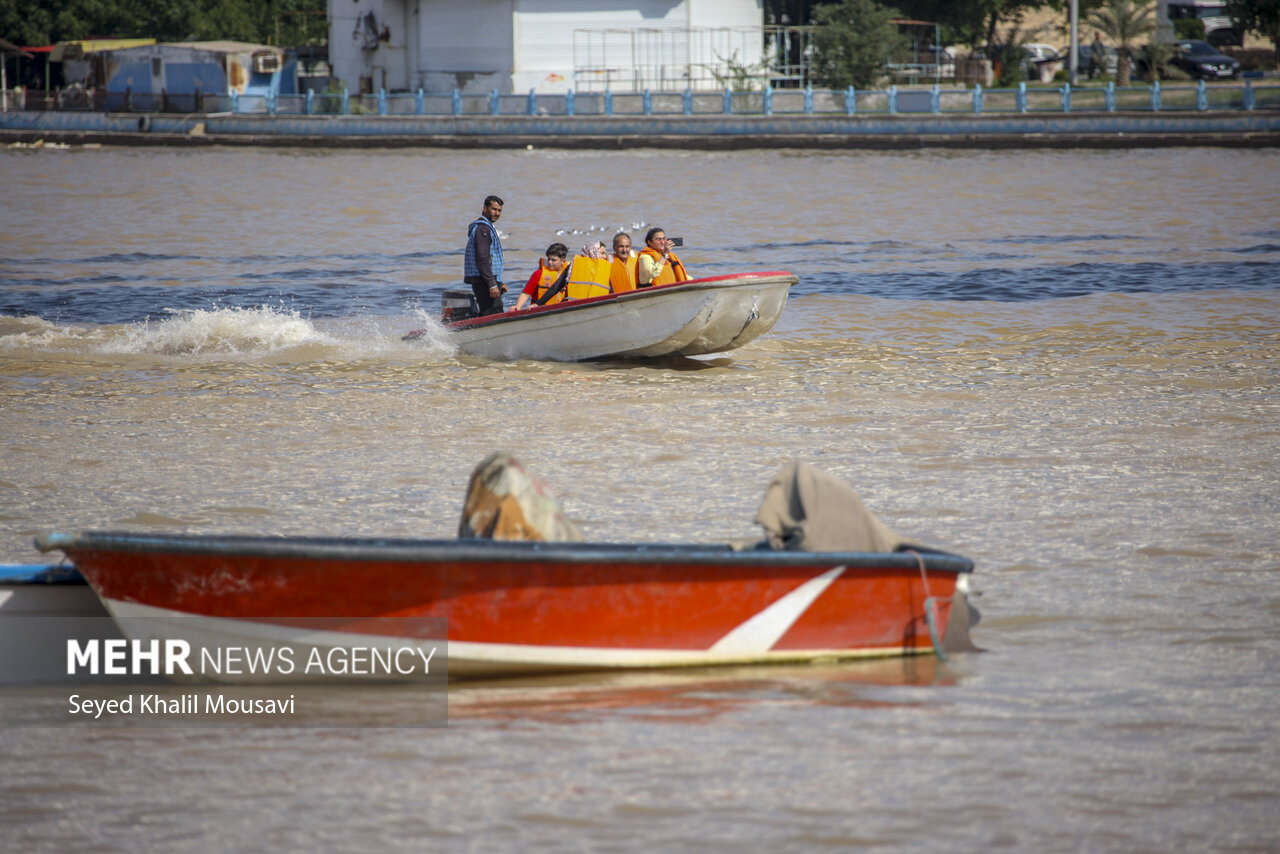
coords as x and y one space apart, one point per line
707 283
409 550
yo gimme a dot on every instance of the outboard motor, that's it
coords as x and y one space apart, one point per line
458 305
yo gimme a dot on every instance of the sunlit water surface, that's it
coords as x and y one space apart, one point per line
1061 364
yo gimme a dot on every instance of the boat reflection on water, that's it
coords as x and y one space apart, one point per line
697 694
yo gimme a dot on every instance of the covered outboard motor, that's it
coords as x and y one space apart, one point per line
458 305
807 509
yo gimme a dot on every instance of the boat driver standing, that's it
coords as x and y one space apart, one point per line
482 264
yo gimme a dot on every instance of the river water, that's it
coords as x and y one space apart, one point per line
1063 365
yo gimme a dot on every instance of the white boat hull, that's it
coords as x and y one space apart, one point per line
688 319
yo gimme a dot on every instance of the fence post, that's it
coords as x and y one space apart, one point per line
1248 94
648 103
271 103
457 102
935 100
808 100
1111 96
728 101
1202 97
688 101
533 103
235 100
346 102
1022 96
977 97
420 103
850 101
893 100
568 103
310 109
495 103
1064 95
608 102
382 102
1155 96
768 100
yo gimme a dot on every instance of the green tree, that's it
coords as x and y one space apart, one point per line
1123 22
285 22
732 74
1158 55
852 40
1009 56
975 22
1260 16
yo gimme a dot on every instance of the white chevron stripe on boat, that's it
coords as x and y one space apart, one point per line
485 659
759 633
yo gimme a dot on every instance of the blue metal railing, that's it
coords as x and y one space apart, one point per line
936 100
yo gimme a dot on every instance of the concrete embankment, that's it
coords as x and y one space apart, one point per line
1025 130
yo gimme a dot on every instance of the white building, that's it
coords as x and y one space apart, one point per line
513 46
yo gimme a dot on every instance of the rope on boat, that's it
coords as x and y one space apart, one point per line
931 608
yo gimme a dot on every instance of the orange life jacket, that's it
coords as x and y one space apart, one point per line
588 277
622 274
671 273
545 282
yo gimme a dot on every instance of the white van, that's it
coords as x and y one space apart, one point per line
1219 29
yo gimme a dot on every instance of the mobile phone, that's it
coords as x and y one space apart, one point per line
676 241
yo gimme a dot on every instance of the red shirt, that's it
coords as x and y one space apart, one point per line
531 287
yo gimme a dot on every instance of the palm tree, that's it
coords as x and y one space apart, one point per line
1123 22
1157 55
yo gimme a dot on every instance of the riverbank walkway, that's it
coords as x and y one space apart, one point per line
1245 113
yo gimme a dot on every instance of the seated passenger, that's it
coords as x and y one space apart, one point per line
657 264
549 269
589 273
622 276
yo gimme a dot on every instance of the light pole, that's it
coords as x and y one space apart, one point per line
1073 61
1164 26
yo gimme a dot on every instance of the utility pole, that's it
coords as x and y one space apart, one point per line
1073 61
1164 26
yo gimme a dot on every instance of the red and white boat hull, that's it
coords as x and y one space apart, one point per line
526 607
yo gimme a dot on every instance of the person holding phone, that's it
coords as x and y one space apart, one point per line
657 264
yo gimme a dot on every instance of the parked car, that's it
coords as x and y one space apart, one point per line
1042 62
1203 61
1039 61
1041 52
1085 66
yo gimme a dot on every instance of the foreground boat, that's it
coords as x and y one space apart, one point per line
519 607
691 318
